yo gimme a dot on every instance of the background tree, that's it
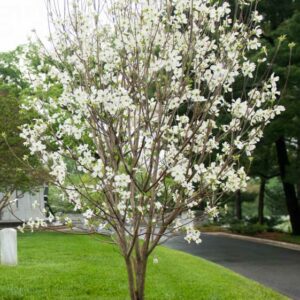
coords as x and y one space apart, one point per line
15 174
282 19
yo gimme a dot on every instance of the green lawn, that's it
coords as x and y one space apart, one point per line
65 266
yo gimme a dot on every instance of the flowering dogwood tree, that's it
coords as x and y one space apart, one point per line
146 112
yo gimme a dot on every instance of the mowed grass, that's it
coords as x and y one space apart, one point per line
67 266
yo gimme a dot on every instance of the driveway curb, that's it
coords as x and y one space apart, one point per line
257 240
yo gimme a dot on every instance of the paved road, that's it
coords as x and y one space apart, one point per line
272 266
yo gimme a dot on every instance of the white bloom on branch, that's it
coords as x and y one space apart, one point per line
88 214
51 218
155 260
192 234
248 68
158 205
35 204
212 211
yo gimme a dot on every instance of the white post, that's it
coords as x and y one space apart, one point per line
8 247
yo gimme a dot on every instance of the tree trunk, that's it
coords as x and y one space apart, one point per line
140 279
130 275
298 160
261 200
289 188
136 271
238 205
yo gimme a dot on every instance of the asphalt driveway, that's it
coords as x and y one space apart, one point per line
276 267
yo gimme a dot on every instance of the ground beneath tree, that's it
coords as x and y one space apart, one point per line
276 267
65 266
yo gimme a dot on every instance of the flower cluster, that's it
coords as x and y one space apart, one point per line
145 119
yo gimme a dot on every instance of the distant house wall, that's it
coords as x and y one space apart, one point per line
23 209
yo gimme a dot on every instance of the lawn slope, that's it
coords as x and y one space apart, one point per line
71 267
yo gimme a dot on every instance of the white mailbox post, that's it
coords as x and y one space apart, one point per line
8 247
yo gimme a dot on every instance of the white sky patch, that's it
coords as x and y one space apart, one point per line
17 20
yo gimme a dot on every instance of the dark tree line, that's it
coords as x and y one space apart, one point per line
278 155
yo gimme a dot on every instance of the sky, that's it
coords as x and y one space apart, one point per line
17 20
